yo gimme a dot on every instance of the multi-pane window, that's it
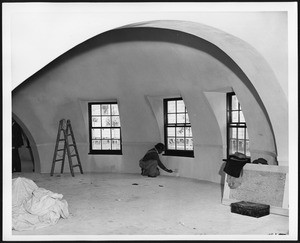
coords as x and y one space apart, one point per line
105 128
237 134
177 128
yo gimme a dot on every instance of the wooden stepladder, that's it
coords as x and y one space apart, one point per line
64 142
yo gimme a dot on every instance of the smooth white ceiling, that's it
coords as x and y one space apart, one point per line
37 33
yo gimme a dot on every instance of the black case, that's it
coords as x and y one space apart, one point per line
250 209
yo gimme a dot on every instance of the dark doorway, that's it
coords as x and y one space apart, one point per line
22 157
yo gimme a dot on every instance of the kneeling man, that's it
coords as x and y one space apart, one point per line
150 162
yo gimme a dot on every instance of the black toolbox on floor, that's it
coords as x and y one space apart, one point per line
250 209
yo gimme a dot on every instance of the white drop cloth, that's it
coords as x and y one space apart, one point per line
35 207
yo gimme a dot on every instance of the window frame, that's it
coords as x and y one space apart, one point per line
171 152
237 125
103 151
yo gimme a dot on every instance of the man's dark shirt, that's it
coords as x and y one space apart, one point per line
152 154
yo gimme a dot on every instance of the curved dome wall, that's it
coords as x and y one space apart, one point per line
256 70
138 67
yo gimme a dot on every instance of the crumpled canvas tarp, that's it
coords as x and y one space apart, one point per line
34 207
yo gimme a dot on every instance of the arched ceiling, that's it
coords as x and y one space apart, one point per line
238 56
29 28
163 32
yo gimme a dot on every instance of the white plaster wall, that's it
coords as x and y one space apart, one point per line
217 101
138 75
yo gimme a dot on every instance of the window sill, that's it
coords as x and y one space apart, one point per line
105 153
189 154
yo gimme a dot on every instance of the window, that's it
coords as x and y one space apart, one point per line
237 134
177 128
104 128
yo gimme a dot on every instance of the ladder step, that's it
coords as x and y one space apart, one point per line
66 128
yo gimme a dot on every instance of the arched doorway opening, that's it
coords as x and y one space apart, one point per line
25 156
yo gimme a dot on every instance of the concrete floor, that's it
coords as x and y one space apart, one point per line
130 204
